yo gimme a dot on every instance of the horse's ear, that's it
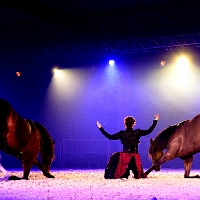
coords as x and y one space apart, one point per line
151 141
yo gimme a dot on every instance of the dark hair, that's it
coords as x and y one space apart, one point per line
129 121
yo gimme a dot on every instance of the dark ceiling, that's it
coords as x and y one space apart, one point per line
51 24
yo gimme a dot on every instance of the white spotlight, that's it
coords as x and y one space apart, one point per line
182 63
111 62
57 72
54 70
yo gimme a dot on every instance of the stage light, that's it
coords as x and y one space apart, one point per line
162 63
111 62
55 70
182 62
18 73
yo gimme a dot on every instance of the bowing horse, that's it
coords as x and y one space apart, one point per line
180 141
20 138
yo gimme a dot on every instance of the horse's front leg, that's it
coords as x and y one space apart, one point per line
187 167
170 154
26 168
156 166
26 171
150 169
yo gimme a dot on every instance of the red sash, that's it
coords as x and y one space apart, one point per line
124 160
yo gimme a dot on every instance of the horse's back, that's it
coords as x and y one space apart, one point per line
193 132
192 129
195 124
187 137
17 136
14 129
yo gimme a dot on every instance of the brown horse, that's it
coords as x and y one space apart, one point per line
47 154
180 140
20 138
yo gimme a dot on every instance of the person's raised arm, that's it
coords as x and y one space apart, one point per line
109 136
155 121
99 125
157 117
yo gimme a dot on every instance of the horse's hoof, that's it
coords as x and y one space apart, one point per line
197 176
14 178
50 176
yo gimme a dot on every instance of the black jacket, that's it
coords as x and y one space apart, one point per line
129 138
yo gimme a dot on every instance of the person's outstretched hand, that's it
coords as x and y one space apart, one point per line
157 117
99 125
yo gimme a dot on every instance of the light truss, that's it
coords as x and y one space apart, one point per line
115 47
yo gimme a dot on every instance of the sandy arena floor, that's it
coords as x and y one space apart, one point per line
90 184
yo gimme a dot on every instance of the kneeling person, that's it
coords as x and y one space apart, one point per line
120 163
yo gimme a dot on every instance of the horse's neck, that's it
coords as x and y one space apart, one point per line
161 144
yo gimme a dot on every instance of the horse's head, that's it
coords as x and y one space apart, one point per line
48 155
46 162
155 154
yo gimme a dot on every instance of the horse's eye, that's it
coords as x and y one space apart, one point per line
150 151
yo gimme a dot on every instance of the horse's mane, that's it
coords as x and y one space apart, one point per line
46 141
163 137
166 133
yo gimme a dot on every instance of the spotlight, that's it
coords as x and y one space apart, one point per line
162 63
183 62
111 62
18 73
55 70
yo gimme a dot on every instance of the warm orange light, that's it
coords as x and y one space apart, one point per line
162 63
18 73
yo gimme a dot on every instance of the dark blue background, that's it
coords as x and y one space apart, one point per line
91 90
